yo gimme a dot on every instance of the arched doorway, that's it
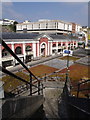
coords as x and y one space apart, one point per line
5 53
43 49
18 50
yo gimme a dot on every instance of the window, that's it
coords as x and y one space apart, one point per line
54 45
28 48
39 26
59 44
5 53
63 44
55 25
18 50
46 25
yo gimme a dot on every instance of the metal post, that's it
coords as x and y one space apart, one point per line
38 87
67 68
45 77
31 84
78 90
42 89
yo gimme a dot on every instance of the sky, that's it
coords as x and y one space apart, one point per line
33 11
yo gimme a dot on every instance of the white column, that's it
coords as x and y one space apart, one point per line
51 48
48 48
66 45
86 37
24 51
38 49
73 44
13 47
61 43
34 49
76 43
57 47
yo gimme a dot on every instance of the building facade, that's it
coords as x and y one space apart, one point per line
48 26
29 46
6 22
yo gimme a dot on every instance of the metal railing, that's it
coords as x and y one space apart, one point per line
81 83
30 83
77 106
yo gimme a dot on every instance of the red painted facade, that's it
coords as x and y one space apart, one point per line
43 40
28 44
9 45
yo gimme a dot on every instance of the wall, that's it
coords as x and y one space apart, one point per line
21 107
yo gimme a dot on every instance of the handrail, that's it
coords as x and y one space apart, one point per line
77 86
15 56
15 76
84 81
11 74
80 83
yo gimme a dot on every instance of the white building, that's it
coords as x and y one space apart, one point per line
45 26
6 22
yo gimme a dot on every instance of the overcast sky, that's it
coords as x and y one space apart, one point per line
33 11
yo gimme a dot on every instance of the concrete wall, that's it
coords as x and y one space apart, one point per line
21 107
79 108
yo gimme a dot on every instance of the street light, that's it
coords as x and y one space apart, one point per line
67 52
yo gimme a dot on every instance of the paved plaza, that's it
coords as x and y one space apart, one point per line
84 60
57 63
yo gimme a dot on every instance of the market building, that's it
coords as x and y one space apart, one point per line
30 46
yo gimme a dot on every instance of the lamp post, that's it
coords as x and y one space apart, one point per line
67 52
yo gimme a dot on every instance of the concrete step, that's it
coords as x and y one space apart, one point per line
52 95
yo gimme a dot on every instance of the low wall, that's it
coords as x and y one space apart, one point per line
21 107
79 108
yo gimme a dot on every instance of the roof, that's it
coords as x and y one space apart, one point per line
62 37
27 36
19 35
44 21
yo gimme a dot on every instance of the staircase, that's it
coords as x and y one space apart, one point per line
27 98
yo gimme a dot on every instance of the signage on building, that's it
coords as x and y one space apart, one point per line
67 52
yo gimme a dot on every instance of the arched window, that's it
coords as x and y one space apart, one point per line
59 44
5 53
54 45
63 44
43 45
28 48
18 50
